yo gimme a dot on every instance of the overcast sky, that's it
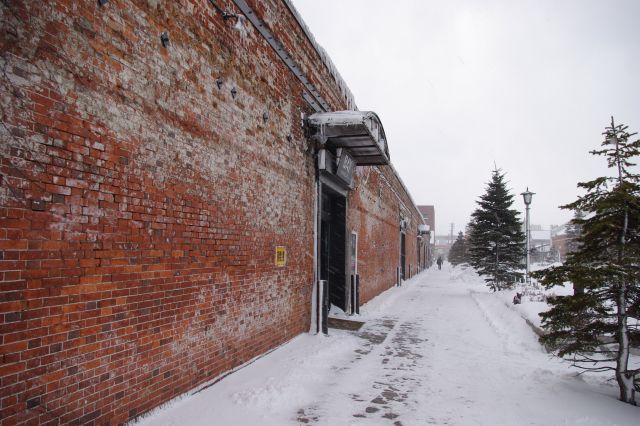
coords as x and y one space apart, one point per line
461 84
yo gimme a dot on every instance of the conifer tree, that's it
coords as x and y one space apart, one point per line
496 240
574 230
597 327
458 251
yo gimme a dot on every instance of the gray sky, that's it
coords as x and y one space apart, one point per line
459 84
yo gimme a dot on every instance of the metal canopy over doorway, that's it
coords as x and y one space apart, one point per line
360 133
343 141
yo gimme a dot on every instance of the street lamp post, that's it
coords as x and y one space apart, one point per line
527 196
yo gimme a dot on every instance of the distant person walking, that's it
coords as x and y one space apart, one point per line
439 262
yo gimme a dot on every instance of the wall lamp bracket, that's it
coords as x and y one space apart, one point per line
225 15
164 39
228 15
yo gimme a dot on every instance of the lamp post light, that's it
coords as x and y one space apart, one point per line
527 196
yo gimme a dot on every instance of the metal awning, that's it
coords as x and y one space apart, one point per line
359 132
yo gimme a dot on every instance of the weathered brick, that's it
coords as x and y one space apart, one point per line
140 234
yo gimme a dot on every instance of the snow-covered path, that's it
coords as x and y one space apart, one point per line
436 351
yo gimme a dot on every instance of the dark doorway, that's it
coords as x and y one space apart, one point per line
333 246
402 256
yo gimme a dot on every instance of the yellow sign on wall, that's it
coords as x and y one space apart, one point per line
281 256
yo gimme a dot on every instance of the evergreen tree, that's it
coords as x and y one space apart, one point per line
496 240
458 251
574 230
597 327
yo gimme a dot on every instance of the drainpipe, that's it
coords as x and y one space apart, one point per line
317 290
314 327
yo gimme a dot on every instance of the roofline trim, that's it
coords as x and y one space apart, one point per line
324 57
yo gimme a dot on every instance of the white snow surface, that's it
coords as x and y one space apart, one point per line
441 349
340 117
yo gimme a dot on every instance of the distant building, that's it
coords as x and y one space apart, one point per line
539 243
429 218
541 240
560 240
443 244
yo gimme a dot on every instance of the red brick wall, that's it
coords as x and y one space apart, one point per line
140 204
375 210
560 243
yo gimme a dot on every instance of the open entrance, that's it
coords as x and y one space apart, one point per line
342 140
333 246
402 257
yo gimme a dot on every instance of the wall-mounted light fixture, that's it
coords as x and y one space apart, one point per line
265 117
219 83
164 39
234 92
225 15
228 15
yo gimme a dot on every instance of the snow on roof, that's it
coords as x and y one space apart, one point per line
361 132
558 230
540 235
326 60
343 118
344 89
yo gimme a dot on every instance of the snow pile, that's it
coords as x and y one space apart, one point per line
383 303
506 323
464 274
534 296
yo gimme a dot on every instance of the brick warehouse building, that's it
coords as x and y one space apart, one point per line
175 190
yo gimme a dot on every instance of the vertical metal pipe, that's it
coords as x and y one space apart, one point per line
352 295
315 313
358 294
323 307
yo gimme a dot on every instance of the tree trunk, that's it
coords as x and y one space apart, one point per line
625 380
577 289
495 271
